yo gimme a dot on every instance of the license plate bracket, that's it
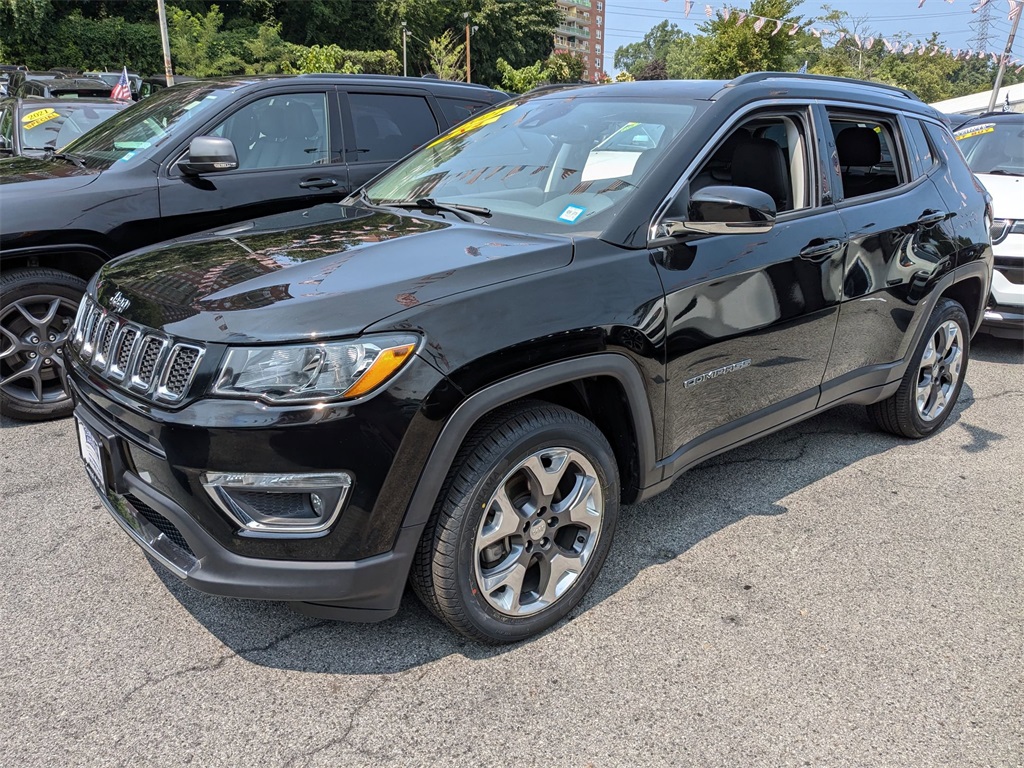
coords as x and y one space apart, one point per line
91 449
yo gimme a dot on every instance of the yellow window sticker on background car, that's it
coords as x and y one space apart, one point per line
38 117
471 125
974 130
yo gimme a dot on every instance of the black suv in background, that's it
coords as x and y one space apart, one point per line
199 155
555 308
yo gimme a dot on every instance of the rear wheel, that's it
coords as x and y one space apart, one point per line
522 526
932 383
37 308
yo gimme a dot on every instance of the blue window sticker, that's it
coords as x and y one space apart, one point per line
571 213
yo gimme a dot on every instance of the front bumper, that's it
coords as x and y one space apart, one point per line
1004 315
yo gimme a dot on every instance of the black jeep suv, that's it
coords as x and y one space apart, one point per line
200 155
553 309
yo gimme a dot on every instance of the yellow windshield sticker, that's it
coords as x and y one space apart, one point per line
38 117
471 125
974 130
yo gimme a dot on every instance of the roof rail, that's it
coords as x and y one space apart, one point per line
756 77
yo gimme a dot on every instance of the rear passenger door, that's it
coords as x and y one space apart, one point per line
381 128
898 241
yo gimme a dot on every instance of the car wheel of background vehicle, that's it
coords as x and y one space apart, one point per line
522 525
932 383
37 308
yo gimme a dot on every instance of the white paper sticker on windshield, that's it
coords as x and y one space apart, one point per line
606 164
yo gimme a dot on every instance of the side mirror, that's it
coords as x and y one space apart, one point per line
208 154
721 210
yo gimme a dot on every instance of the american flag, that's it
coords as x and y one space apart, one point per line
123 90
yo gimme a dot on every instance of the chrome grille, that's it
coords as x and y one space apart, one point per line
145 361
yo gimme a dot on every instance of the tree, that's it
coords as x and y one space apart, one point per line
520 80
732 49
197 46
447 58
656 69
564 67
654 47
331 58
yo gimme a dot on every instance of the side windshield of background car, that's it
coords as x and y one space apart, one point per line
557 160
993 147
143 125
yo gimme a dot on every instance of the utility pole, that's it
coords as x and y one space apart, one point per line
466 17
405 60
1018 6
162 13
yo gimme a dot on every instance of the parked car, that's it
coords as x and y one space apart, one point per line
65 88
112 78
198 155
16 79
151 85
555 308
34 127
994 147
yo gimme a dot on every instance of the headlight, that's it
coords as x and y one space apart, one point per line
312 372
1003 227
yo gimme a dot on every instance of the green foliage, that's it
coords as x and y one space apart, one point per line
734 49
331 58
197 47
654 47
520 80
447 57
564 67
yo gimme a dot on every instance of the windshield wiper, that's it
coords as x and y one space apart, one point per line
464 212
73 159
1001 172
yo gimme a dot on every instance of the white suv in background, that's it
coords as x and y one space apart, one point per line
994 147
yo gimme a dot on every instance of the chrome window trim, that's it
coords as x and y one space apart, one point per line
807 105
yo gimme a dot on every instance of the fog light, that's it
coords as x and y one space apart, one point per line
278 505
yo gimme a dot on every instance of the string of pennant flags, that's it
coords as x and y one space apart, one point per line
777 26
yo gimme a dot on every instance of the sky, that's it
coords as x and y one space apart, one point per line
628 20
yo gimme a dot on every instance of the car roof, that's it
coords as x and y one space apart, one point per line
757 86
35 102
425 83
997 117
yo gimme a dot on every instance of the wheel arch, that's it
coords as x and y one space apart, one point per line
607 388
969 293
74 258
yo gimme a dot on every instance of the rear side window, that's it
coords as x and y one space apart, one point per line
920 147
390 126
869 156
457 110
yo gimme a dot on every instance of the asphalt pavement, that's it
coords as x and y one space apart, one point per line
827 596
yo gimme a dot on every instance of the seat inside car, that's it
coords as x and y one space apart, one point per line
860 148
761 164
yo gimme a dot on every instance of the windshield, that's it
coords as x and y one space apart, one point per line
144 124
993 147
555 163
54 126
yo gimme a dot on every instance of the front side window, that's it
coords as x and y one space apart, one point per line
281 131
390 126
554 163
868 158
767 153
993 146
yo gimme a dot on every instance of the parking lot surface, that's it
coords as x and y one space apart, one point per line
830 595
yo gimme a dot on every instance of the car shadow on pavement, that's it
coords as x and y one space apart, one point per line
992 349
750 481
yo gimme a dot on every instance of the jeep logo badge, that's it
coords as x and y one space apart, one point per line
119 303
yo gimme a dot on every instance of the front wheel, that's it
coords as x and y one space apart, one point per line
522 525
37 308
932 383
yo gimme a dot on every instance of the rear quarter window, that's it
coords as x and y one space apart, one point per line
457 110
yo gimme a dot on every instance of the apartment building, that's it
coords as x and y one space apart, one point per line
582 32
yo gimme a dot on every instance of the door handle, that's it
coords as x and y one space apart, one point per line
819 250
931 217
318 183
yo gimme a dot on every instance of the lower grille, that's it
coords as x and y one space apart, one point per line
158 521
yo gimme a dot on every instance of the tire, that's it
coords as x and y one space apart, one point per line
506 555
37 308
932 382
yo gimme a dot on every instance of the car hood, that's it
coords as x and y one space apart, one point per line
1007 194
49 175
329 271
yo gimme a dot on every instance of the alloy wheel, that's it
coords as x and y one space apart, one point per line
939 370
538 531
32 331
